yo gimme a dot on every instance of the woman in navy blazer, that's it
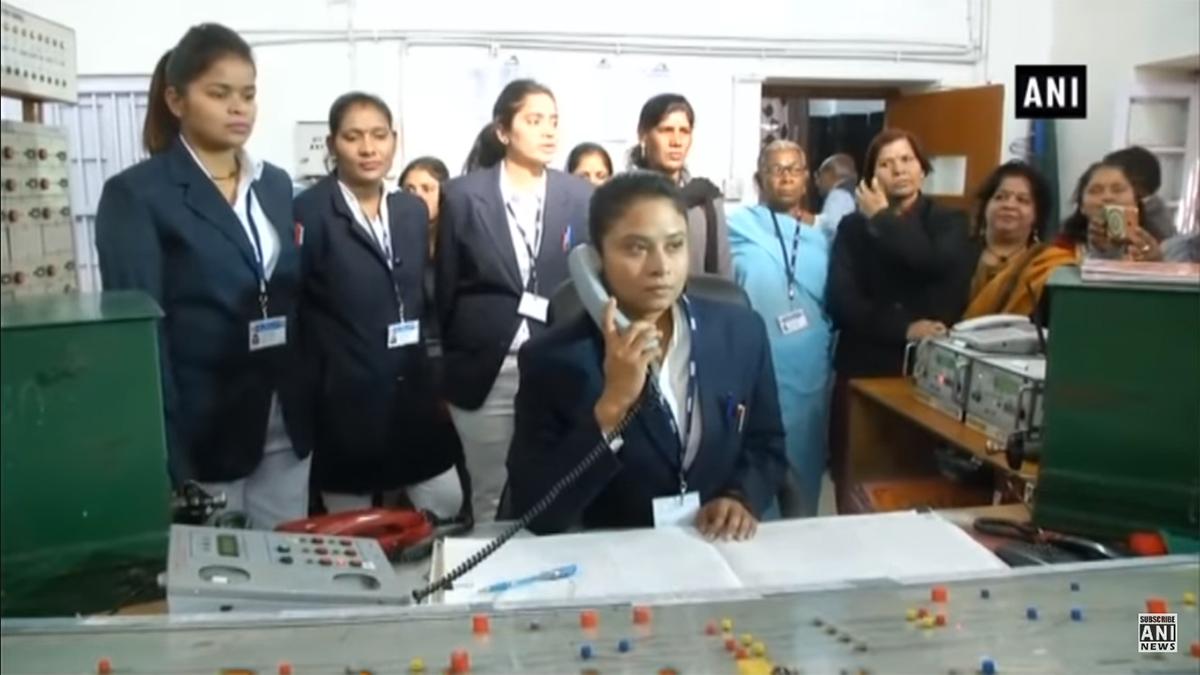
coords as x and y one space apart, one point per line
208 232
709 425
502 249
364 310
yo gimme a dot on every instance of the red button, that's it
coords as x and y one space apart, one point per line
481 624
922 613
641 615
104 666
1196 649
740 653
940 619
285 668
460 661
939 594
1156 606
710 628
730 644
588 619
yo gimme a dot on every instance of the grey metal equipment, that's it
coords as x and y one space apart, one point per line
1005 399
223 570
990 373
1074 618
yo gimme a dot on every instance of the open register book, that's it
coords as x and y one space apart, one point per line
676 563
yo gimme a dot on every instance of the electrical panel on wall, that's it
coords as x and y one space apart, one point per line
310 149
37 245
39 57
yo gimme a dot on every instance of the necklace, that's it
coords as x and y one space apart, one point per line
1002 258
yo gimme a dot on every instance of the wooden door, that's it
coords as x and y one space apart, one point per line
954 126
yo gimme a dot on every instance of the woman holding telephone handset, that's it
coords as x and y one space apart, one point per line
683 390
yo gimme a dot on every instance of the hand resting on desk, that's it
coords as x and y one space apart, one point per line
726 518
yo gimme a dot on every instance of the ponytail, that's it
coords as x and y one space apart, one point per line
197 50
161 125
637 157
486 152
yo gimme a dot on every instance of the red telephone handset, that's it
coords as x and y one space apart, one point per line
394 529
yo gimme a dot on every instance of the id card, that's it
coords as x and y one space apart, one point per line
534 307
792 322
676 510
403 334
267 333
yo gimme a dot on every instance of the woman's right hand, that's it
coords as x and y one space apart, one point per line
627 356
919 330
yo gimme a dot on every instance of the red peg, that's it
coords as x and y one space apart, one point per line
104 666
460 661
481 624
588 619
939 594
641 615
1156 606
285 668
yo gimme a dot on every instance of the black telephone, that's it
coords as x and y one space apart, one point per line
583 263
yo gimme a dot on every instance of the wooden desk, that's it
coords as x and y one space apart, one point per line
892 434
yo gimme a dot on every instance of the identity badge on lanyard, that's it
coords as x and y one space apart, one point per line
533 305
795 319
681 509
268 331
401 333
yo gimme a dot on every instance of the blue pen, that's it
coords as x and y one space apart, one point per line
564 572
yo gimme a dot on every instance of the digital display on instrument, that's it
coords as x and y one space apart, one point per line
227 545
1004 385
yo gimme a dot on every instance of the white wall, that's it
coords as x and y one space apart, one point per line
1113 37
443 93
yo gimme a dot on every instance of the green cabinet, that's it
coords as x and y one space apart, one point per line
1122 418
84 487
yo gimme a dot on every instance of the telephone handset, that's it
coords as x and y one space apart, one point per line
403 534
992 321
584 266
1000 334
583 263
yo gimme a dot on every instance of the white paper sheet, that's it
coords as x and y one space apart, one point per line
893 545
628 563
678 562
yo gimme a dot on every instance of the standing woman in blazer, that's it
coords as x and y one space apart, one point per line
208 232
664 140
364 258
502 249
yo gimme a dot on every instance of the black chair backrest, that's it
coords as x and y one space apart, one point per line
565 304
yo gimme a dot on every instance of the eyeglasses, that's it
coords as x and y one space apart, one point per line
793 170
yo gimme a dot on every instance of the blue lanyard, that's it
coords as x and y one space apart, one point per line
531 284
690 405
789 263
260 269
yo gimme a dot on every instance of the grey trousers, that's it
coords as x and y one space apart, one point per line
486 434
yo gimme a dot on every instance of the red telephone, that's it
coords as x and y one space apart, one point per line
402 533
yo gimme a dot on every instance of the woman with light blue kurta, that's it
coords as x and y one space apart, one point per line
781 262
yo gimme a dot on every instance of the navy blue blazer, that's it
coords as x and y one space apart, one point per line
375 407
163 227
562 376
477 281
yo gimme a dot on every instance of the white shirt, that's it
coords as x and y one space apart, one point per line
527 205
673 382
266 231
277 437
377 227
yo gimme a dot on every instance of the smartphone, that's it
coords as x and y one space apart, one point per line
1114 221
